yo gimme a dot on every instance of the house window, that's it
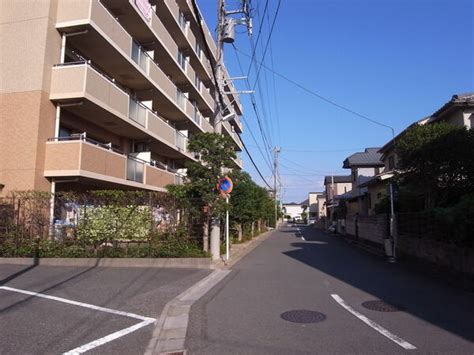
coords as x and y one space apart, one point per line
354 175
391 163
182 60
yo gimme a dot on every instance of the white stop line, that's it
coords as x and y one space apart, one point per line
93 344
404 344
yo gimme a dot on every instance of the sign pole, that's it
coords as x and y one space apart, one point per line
227 246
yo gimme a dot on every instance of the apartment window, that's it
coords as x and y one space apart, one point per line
197 114
180 98
198 50
182 20
182 60
197 82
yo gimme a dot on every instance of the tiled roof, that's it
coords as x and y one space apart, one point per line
370 158
466 99
338 179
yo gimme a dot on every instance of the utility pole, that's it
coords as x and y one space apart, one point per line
332 198
276 151
225 34
215 234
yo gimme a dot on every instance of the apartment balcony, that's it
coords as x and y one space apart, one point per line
239 163
149 30
88 94
105 41
236 119
187 7
184 36
227 129
232 95
95 163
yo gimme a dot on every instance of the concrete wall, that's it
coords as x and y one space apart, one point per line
30 46
373 229
442 254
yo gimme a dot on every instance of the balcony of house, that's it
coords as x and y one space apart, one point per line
88 95
227 129
97 163
99 36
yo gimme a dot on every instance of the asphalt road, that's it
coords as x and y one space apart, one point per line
36 325
242 314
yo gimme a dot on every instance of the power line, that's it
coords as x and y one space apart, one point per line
255 165
305 169
254 49
259 148
268 41
254 106
329 101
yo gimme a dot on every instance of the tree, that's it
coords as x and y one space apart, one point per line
199 193
437 161
249 203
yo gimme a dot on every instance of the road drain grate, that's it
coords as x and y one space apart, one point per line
303 316
381 306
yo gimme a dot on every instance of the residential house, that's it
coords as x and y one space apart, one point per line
293 209
316 205
364 166
458 111
337 187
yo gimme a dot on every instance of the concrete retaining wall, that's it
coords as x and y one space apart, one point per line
373 228
442 254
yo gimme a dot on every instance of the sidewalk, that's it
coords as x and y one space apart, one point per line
238 251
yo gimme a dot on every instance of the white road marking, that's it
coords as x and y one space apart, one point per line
404 344
299 232
144 320
108 338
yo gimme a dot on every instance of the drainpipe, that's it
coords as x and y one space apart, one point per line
51 208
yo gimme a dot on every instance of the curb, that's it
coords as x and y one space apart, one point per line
169 335
195 263
240 250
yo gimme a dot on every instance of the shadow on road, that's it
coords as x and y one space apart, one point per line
427 299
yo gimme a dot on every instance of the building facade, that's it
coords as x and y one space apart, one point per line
105 94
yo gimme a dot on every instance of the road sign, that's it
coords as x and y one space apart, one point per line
225 186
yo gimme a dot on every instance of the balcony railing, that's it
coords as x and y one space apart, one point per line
78 152
80 76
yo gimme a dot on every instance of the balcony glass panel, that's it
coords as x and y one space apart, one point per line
135 170
137 112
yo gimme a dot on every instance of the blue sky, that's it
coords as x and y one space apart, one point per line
395 61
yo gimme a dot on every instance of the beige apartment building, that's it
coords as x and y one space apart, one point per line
104 94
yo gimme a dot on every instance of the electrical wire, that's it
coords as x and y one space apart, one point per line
268 41
321 97
255 165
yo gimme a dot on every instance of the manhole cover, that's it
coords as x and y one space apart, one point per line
381 306
303 316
